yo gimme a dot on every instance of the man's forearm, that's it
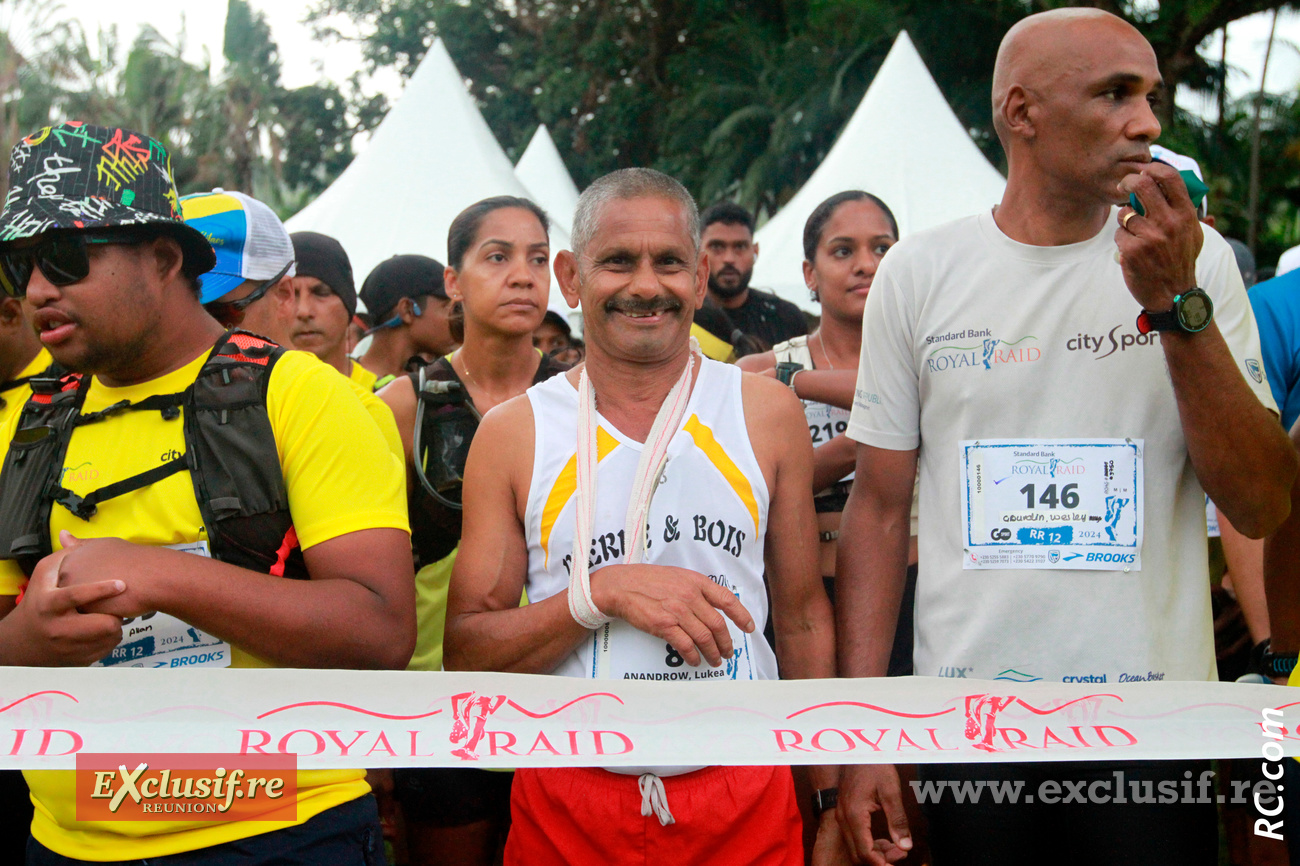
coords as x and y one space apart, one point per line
292 623
832 461
832 387
532 639
1282 575
870 573
807 650
1241 455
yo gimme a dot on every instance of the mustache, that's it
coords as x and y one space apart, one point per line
643 306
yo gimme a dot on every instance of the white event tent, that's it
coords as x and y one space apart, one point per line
903 144
542 171
431 157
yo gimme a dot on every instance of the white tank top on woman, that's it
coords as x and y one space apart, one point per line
708 514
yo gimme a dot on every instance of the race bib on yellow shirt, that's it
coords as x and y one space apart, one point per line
1068 504
160 640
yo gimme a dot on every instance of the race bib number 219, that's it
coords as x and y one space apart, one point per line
1067 504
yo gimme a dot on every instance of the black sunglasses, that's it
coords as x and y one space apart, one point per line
231 313
62 258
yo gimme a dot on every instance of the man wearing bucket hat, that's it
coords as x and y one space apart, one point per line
95 527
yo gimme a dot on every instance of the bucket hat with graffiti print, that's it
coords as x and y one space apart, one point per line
73 176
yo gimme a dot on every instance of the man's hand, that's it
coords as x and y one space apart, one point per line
864 790
48 629
92 561
830 848
1158 250
676 604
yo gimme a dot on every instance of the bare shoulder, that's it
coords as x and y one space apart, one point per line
399 394
504 442
757 363
774 419
515 411
768 400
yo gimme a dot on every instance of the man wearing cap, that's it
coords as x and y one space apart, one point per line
255 291
110 270
409 306
326 302
255 260
552 335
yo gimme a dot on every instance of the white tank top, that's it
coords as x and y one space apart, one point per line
709 514
825 421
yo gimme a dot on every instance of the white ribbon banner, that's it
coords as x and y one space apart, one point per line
408 719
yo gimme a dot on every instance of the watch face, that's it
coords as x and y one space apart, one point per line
1194 311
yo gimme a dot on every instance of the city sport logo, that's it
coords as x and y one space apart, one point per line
186 787
985 353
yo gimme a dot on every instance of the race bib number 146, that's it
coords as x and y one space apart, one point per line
1069 503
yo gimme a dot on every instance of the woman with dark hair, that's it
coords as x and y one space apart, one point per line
844 240
499 274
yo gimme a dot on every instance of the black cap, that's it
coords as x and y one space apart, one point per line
73 177
554 318
322 257
409 276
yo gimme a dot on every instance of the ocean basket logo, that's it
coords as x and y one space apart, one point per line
986 352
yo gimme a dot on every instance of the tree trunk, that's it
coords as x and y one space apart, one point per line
1252 206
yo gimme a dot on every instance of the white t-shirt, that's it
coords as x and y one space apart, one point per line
969 335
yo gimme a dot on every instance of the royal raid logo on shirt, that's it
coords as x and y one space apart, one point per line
978 349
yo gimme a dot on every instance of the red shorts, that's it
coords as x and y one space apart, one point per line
724 815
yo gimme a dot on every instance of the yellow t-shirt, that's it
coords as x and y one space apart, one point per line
431 585
383 417
16 397
341 477
362 376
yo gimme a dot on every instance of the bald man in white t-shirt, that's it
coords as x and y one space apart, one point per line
1065 386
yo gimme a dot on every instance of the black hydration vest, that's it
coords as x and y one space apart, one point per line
229 451
446 421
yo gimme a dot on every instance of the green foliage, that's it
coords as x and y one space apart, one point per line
744 99
242 130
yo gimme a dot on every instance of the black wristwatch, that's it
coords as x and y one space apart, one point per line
824 800
1192 313
1269 663
785 372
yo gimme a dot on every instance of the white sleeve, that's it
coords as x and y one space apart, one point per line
1217 273
886 402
